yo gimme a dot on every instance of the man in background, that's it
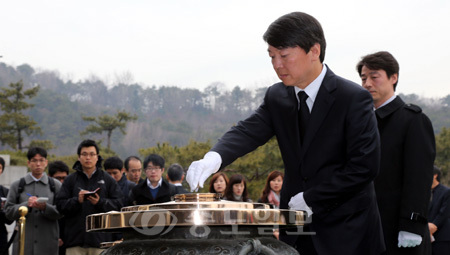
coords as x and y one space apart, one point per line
3 220
175 176
407 157
133 169
114 167
154 189
37 191
59 170
75 205
439 215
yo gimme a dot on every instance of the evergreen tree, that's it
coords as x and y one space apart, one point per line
107 123
13 122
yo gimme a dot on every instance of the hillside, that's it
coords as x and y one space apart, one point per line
166 114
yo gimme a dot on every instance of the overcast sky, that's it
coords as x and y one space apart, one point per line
193 43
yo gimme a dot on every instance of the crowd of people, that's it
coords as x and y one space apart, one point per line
58 202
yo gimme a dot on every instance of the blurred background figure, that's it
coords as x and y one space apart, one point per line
3 220
237 189
133 169
271 192
175 176
58 170
439 215
218 183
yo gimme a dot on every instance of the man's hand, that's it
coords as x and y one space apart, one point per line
81 195
432 228
200 170
93 199
297 202
408 239
32 202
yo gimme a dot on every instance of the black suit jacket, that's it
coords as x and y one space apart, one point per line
439 213
141 195
406 173
334 167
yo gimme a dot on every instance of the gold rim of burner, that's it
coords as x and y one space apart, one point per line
208 217
197 197
222 204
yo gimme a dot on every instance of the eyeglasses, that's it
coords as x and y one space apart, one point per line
60 178
34 161
152 169
84 154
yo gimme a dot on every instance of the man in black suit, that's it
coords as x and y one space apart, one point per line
407 158
154 189
330 170
175 176
439 216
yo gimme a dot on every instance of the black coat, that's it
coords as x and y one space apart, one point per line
334 167
75 213
404 184
141 195
439 213
3 221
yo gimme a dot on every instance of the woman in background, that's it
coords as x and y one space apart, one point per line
237 189
218 183
271 192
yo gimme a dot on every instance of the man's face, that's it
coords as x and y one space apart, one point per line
60 176
134 170
37 165
88 158
153 172
293 65
378 84
115 173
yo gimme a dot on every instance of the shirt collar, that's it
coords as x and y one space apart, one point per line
34 178
149 184
313 88
388 101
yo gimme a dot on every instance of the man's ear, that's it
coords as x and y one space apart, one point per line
394 78
315 51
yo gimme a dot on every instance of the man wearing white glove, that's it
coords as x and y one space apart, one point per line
407 157
328 138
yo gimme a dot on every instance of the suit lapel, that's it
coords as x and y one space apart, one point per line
322 105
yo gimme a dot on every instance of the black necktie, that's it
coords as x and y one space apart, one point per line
303 114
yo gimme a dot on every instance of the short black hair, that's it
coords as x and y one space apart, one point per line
57 166
437 171
33 151
381 60
296 29
155 159
175 172
2 162
87 143
113 163
126 164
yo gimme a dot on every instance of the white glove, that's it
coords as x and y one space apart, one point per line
200 170
408 239
297 202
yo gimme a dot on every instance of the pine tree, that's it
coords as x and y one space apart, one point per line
13 123
107 123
